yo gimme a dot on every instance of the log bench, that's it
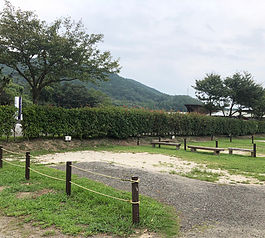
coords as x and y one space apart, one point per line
241 149
216 151
154 143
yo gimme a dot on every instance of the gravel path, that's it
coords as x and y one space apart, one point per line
206 209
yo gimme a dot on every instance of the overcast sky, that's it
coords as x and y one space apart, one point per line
169 44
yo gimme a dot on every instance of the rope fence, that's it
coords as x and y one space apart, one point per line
12 152
105 195
134 181
103 175
17 165
46 175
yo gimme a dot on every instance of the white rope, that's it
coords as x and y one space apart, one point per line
90 190
11 152
46 175
17 165
104 175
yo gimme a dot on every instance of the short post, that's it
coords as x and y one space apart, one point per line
138 140
1 157
254 150
68 177
159 139
216 143
252 138
135 201
185 144
27 170
230 137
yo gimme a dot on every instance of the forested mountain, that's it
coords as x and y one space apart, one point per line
129 92
122 91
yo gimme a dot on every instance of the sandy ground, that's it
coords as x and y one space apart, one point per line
149 162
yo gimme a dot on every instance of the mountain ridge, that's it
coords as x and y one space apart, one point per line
131 93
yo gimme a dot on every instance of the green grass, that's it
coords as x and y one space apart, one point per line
199 174
83 212
234 164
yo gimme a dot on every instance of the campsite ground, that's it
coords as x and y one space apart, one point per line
233 200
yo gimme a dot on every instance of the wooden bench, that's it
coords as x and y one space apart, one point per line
241 149
216 151
154 143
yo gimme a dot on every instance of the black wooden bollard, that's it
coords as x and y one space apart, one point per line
138 140
254 150
135 201
216 143
159 139
1 157
68 177
185 144
27 170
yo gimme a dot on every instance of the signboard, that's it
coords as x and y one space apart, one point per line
18 105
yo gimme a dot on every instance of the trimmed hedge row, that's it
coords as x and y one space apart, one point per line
7 120
123 123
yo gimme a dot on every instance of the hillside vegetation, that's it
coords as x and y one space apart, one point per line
129 92
121 92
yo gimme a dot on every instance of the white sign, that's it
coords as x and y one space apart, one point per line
18 105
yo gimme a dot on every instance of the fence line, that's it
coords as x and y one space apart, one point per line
135 191
12 152
17 165
109 196
103 175
46 175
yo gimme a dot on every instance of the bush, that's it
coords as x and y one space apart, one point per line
7 120
123 123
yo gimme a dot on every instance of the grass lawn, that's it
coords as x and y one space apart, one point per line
43 202
234 164
87 213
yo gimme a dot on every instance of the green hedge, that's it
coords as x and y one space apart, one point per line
7 120
124 123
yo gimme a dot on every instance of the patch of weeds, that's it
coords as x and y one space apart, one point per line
48 233
172 172
202 175
163 164
245 182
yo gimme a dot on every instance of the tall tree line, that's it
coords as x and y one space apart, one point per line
235 93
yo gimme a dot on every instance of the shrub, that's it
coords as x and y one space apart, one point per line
121 123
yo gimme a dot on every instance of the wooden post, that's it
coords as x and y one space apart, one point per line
1 157
230 137
135 201
254 150
252 138
138 140
27 170
185 144
159 139
68 177
216 143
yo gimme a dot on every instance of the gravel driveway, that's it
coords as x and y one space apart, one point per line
206 209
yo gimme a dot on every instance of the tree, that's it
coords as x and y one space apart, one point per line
44 54
243 92
211 91
4 81
259 108
69 95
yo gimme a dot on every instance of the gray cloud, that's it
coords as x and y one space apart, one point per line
169 44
